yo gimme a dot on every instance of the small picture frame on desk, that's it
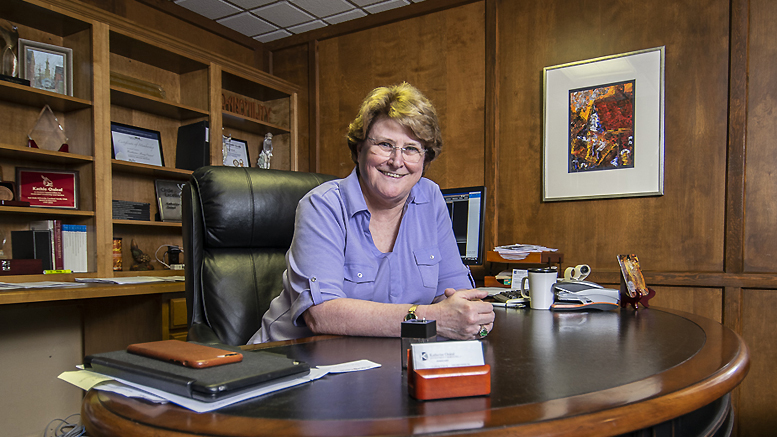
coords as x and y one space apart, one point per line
46 66
135 144
47 188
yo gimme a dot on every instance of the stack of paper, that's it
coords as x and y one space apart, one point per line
87 380
133 279
520 251
41 284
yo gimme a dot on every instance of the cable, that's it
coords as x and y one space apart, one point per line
162 262
157 256
66 429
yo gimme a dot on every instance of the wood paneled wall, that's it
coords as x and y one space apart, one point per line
708 245
442 54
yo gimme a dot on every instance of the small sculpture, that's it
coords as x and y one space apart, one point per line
266 153
9 37
143 261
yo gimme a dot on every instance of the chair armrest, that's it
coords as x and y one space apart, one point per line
202 333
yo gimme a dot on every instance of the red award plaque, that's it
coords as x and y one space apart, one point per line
48 188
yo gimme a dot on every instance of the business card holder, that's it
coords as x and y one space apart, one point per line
448 382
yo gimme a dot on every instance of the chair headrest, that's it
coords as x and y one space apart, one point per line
250 207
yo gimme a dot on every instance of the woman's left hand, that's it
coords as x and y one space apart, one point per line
462 315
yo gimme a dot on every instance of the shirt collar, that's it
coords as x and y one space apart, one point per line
354 198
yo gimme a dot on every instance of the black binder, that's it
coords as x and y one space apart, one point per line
209 384
192 149
33 245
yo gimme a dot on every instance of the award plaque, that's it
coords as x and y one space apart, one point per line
47 188
168 195
134 144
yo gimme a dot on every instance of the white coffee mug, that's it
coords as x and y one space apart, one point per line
540 291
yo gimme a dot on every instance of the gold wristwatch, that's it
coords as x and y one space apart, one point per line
411 313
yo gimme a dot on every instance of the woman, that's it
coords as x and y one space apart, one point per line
377 247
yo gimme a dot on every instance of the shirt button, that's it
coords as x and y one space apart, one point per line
359 275
313 279
431 256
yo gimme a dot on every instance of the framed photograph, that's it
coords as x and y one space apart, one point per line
135 144
604 127
168 196
47 67
235 152
632 275
47 188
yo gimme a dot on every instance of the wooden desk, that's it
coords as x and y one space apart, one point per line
598 373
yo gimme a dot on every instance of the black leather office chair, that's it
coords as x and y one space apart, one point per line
237 226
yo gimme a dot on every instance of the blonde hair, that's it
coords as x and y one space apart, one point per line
404 104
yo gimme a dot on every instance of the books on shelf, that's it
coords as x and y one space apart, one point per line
74 248
55 226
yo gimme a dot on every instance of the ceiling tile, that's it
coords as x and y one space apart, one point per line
268 20
209 8
283 14
385 6
366 2
350 15
247 24
272 36
326 8
307 26
250 4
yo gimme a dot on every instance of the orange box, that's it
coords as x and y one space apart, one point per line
448 382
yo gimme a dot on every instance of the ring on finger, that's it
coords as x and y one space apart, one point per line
483 331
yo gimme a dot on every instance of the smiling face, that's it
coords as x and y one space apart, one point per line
386 182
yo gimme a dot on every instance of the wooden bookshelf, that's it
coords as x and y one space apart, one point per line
191 81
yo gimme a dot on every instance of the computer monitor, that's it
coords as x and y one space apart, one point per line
467 208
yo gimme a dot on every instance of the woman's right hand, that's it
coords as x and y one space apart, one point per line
461 314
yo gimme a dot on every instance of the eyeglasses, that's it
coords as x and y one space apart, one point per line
410 153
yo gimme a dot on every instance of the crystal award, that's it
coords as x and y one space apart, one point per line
47 134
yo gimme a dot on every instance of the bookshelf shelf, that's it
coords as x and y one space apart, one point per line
28 153
149 170
45 211
255 126
147 223
153 105
28 96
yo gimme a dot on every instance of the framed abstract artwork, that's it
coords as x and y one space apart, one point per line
604 127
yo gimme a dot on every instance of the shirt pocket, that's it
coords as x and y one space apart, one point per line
359 281
428 262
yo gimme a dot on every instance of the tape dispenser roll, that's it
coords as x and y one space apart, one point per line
577 273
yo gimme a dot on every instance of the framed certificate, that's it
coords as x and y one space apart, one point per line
135 144
168 196
47 188
235 152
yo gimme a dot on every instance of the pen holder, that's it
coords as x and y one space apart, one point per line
448 382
